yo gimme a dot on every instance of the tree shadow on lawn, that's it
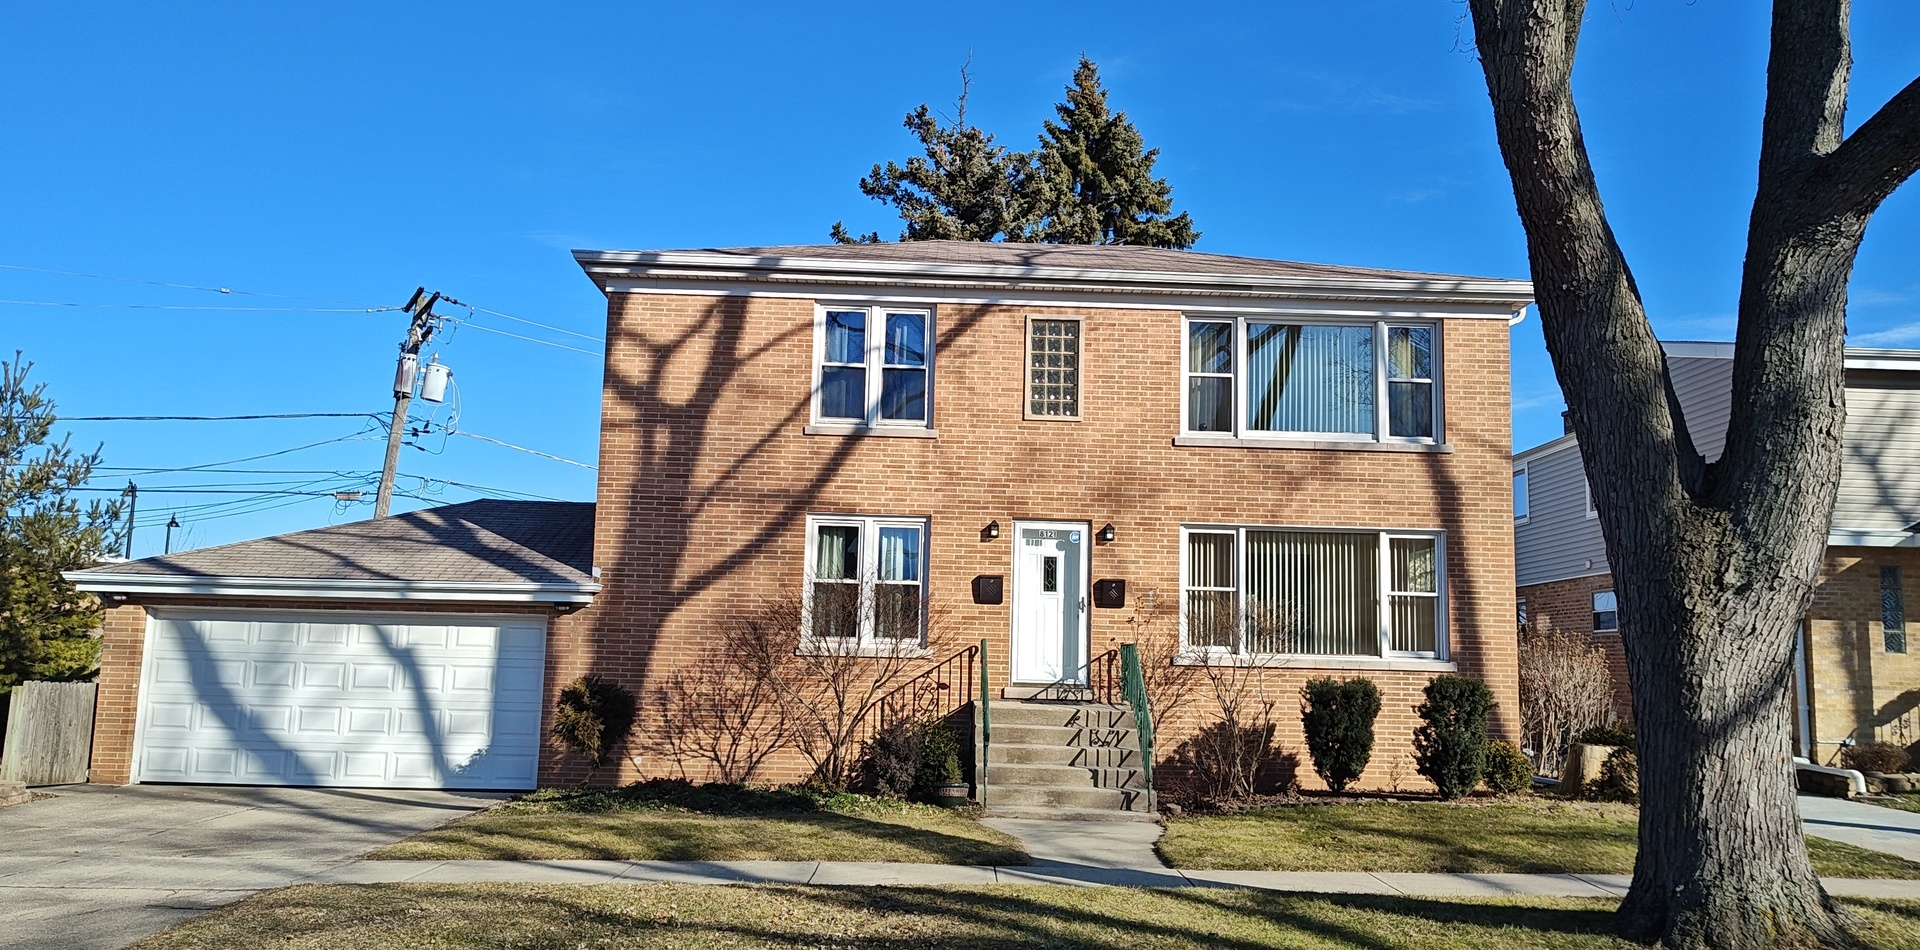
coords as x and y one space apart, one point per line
673 820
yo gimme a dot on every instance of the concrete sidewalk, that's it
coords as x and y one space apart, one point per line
1866 826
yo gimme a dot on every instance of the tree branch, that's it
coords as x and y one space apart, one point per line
1879 155
1807 70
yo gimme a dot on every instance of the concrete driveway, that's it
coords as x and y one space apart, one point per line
102 866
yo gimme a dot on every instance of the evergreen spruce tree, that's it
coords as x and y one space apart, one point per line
1094 180
45 623
965 188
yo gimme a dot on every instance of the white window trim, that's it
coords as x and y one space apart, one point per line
875 369
1026 370
1595 610
1525 495
1383 600
869 573
1587 487
1381 410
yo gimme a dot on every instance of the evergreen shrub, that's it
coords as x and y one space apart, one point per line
592 716
1508 769
1450 746
1338 718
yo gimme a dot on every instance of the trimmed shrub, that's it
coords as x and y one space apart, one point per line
1619 778
1338 717
1508 769
939 759
890 761
1608 735
1875 757
1450 746
593 716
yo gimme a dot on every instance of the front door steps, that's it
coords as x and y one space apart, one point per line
1065 760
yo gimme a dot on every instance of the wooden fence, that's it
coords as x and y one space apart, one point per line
49 734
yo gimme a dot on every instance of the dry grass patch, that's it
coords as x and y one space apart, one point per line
1524 836
676 821
682 917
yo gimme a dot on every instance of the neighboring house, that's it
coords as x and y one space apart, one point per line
1855 678
1303 466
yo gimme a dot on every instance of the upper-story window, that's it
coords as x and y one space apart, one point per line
1268 378
874 367
1053 369
1521 503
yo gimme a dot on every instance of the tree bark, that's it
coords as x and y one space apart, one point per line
1714 562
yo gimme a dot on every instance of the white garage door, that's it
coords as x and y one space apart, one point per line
404 701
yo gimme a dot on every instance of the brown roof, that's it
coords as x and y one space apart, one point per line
1064 256
487 541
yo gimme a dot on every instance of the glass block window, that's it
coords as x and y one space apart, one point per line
1893 610
1053 368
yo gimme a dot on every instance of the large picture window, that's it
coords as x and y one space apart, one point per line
866 579
874 366
1269 591
1267 378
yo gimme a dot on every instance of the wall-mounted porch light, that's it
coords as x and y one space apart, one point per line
1105 534
991 531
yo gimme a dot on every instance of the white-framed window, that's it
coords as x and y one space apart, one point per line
1606 612
1592 512
866 579
1285 378
1259 591
1521 508
873 366
1053 367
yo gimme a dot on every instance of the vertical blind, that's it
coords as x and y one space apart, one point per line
1309 379
1310 592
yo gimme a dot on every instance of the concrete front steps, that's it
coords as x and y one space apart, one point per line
1065 760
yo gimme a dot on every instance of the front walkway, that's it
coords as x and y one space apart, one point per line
1866 826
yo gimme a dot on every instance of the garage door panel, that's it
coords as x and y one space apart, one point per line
315 700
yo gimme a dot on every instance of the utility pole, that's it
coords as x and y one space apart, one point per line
132 494
420 306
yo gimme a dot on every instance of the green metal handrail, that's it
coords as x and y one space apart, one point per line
986 723
1133 685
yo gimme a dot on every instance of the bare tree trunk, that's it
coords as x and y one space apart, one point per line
1714 562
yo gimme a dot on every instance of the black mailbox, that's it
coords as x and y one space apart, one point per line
1110 592
989 589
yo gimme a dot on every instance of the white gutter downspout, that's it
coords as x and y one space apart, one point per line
1518 316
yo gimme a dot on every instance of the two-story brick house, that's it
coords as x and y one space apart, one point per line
1855 679
1306 465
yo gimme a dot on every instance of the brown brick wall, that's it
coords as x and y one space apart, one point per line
123 647
706 480
1568 605
1859 690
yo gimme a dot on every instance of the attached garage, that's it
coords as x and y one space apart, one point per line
407 652
393 701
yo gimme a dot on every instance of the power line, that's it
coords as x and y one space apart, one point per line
162 283
521 448
156 306
477 326
362 434
274 415
542 326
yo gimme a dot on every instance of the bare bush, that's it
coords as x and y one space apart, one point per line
1565 689
1232 758
724 711
1169 674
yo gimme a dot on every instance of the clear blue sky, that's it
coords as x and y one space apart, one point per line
350 152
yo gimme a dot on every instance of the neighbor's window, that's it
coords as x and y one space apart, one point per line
1893 610
1606 612
1053 369
1520 501
873 367
1345 382
1520 613
866 579
1261 591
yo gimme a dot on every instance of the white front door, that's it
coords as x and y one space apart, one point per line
1049 602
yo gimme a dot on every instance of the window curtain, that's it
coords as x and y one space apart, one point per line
1210 398
834 602
1310 379
1312 593
903 380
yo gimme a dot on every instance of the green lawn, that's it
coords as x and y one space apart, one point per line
683 917
1906 801
674 821
1533 836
